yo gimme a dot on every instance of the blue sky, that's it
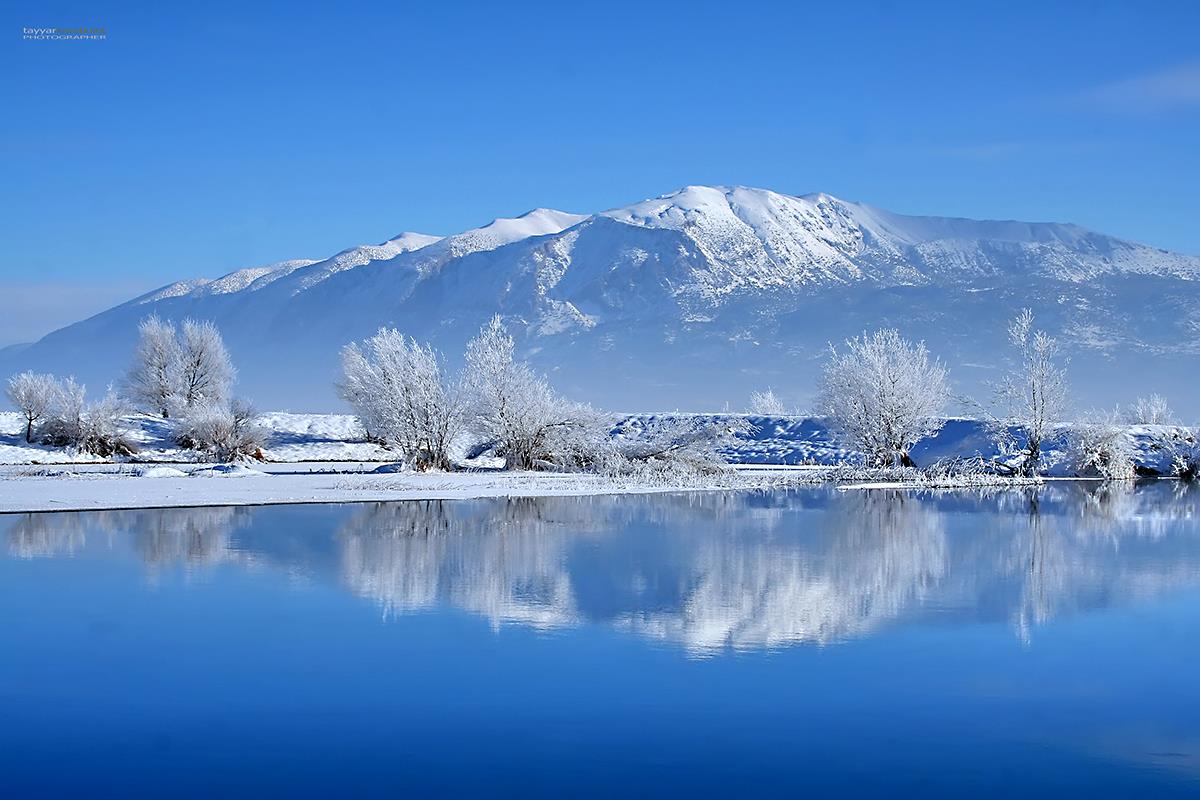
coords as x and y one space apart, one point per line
199 139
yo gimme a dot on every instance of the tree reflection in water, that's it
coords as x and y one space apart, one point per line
708 571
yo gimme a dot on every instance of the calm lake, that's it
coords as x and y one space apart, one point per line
804 643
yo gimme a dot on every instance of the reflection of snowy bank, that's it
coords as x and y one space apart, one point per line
707 571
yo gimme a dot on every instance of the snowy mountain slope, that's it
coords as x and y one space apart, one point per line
689 300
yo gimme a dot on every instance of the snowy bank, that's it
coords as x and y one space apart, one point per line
95 487
773 441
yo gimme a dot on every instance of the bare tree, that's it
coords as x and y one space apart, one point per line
155 379
1033 395
767 404
402 396
513 408
884 394
206 371
32 394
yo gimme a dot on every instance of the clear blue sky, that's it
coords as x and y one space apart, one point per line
202 138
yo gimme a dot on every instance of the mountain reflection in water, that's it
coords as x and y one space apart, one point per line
708 571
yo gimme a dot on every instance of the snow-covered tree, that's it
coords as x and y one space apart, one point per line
206 373
155 379
1100 446
226 431
1033 395
32 394
403 397
1152 410
515 410
884 394
767 404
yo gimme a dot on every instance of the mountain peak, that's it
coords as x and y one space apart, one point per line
410 240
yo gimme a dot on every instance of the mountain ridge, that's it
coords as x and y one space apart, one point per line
656 291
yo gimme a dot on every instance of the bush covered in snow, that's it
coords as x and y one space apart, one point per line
884 394
767 404
671 445
1101 447
1184 449
225 432
96 429
1152 410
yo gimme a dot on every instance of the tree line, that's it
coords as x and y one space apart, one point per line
880 393
182 374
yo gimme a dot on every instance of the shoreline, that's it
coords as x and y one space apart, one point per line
117 488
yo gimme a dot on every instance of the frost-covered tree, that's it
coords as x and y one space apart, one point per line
1100 446
1033 395
884 394
767 404
32 394
226 431
1152 410
514 409
206 373
403 397
155 381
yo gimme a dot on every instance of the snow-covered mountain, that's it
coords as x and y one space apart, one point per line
690 300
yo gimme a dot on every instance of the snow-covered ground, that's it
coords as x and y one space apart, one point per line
323 458
775 441
294 438
25 489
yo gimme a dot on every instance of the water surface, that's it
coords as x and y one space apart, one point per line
1031 643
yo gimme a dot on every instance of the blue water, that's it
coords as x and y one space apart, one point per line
812 643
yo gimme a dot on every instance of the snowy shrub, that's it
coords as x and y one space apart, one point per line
1033 395
96 429
155 379
1185 455
402 397
767 404
519 415
206 373
673 444
64 420
1101 447
32 394
884 394
226 432
1152 410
